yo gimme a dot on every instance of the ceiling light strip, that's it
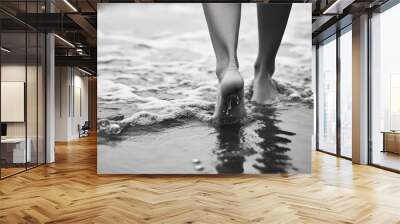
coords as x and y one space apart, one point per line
331 7
70 5
5 50
337 7
84 71
64 40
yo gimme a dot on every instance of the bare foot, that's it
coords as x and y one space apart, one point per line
230 101
264 89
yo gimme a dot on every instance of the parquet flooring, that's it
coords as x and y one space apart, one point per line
70 191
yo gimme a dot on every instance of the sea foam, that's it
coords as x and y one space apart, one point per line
146 81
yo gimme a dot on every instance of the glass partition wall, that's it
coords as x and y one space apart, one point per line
13 89
334 107
22 77
385 89
345 91
327 95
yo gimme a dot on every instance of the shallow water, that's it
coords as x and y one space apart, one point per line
157 90
276 140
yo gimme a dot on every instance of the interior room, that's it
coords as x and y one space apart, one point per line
50 131
22 101
385 88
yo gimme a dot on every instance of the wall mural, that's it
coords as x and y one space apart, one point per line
204 88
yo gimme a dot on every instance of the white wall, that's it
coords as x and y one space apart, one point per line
17 73
70 83
62 81
12 73
80 109
34 125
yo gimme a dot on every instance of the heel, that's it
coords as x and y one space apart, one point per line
230 103
232 100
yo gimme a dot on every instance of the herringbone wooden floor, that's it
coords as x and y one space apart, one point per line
70 191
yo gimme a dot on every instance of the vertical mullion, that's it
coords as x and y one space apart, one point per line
338 81
37 90
369 91
26 86
317 96
45 90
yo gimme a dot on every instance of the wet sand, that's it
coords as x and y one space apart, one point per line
157 90
267 145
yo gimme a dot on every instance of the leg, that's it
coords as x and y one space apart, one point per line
223 22
272 20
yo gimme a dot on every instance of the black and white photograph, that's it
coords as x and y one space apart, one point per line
200 112
204 88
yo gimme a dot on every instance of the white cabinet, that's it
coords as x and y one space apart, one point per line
19 155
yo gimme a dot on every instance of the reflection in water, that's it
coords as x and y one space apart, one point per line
273 157
259 145
270 150
229 151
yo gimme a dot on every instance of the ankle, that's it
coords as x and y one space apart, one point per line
222 68
264 69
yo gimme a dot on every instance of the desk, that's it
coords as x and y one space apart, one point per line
391 141
15 148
